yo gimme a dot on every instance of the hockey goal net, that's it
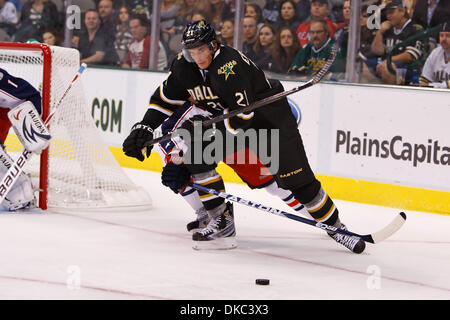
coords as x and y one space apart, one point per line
77 171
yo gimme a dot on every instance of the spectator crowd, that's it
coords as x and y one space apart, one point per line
288 37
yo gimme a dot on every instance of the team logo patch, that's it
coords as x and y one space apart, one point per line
295 110
30 134
201 25
227 69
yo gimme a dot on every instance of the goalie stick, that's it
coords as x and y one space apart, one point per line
257 104
375 237
16 168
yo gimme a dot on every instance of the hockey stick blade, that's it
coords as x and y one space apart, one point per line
257 104
374 238
16 168
387 231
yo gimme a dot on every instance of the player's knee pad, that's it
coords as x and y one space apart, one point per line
21 194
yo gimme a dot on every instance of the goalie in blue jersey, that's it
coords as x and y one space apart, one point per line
20 108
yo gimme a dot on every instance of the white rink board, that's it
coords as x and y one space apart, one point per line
411 136
329 111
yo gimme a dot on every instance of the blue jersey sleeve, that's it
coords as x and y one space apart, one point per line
20 89
168 125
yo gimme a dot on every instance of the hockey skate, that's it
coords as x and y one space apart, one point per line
200 222
352 243
218 234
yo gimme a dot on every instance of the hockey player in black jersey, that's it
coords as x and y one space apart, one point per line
221 79
173 175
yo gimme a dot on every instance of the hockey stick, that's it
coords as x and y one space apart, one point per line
257 104
16 168
376 237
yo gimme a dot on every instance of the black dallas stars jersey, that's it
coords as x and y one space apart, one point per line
393 37
231 81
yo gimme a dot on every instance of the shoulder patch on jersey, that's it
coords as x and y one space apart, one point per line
227 69
417 26
179 55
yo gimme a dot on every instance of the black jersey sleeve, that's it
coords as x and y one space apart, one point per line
170 95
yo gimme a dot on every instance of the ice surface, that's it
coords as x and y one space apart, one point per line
148 255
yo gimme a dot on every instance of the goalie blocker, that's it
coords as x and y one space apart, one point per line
29 127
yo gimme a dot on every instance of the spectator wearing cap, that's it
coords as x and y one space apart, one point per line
397 28
312 57
319 11
436 71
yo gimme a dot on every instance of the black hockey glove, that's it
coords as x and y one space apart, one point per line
194 125
133 144
175 176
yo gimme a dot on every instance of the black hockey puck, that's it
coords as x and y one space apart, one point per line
263 282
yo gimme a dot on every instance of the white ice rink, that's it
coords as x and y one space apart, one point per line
148 255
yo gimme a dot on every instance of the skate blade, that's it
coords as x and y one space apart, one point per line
217 244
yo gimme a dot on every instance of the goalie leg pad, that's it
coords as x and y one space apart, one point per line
21 194
29 127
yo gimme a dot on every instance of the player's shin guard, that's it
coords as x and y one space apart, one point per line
322 208
212 203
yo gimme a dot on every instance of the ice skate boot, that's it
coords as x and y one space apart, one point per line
200 222
219 233
352 243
